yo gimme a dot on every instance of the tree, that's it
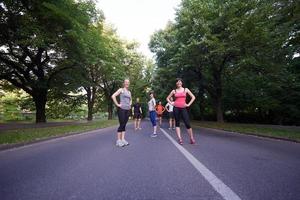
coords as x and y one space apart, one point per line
233 50
95 52
31 56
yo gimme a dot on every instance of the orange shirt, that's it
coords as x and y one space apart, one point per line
160 109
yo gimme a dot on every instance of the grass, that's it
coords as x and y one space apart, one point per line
279 132
33 134
26 121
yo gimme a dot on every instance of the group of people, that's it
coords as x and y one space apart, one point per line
159 109
176 107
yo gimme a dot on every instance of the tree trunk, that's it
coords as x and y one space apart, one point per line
91 95
201 97
218 95
219 109
110 110
89 102
40 99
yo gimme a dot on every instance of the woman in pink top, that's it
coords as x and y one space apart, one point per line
180 111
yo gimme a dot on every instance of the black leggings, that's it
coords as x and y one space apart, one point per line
123 119
181 113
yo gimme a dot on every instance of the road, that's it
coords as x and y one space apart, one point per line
89 166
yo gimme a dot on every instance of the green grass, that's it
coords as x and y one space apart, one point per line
26 121
32 134
254 129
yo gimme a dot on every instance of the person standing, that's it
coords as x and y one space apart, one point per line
152 113
137 114
169 107
160 109
123 111
180 111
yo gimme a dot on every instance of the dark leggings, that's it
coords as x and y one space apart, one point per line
123 119
181 113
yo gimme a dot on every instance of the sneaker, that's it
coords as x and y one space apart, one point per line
154 135
125 142
192 141
180 141
173 128
119 143
170 128
140 128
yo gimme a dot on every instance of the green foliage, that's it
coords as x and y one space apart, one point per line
39 40
80 61
236 56
15 105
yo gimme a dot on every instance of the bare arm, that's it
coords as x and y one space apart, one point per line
141 110
114 97
169 96
192 97
166 107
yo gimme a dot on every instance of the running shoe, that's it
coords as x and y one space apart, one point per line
170 128
180 141
192 141
125 142
154 135
173 128
119 143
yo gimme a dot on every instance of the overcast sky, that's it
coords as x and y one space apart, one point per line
138 19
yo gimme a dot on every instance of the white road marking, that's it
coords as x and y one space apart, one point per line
213 180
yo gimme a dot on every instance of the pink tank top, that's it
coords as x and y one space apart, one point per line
180 99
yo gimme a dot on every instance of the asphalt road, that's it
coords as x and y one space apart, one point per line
91 167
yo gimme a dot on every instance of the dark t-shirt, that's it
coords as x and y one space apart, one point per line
136 108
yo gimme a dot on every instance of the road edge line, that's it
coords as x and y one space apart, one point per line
212 179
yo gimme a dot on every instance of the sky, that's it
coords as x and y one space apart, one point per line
138 19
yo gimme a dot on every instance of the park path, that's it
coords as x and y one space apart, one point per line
221 165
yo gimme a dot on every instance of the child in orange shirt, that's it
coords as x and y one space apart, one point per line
160 109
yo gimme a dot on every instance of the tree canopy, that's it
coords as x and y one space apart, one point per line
237 56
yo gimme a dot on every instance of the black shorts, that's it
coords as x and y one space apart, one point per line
171 115
137 116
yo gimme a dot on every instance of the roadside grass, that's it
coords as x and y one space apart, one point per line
33 134
274 131
26 121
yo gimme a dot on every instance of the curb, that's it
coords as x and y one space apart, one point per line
4 147
252 134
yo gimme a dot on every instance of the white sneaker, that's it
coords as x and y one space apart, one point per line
170 128
119 143
154 135
125 143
